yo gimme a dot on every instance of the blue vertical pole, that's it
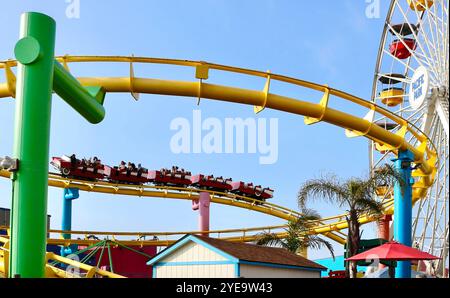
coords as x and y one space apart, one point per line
403 209
69 195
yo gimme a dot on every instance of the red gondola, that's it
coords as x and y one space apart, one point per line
172 177
399 50
248 190
75 168
125 175
210 182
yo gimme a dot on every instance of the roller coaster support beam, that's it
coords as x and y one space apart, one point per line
86 101
403 208
69 195
35 52
37 75
202 205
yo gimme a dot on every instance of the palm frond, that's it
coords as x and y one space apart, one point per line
270 239
303 223
386 175
369 205
315 242
327 189
310 214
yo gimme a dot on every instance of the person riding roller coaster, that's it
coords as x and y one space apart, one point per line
174 171
84 164
122 166
140 170
73 161
131 167
95 163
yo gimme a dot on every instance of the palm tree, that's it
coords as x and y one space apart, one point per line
357 195
297 239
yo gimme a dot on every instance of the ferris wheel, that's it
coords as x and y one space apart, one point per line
411 79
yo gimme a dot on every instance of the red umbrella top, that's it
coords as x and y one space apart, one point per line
393 251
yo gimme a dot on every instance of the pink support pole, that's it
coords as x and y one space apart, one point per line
202 205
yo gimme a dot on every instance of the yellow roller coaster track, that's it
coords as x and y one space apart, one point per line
407 137
83 270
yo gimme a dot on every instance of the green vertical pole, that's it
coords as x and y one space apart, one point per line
35 54
110 258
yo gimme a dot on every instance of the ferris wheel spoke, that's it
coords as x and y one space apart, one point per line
379 161
418 217
436 34
436 198
443 29
433 67
420 19
429 215
446 41
409 23
432 76
419 25
439 20
418 56
439 39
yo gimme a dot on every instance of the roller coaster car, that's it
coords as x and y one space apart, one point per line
211 182
248 190
123 175
78 169
402 50
170 177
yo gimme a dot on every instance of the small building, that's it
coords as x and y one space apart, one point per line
196 256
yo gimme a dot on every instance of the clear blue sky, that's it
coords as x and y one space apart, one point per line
330 42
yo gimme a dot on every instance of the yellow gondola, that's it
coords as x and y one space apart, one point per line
382 190
420 5
392 96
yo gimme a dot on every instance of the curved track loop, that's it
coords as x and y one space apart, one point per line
425 156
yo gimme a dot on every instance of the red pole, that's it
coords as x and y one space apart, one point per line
384 227
384 231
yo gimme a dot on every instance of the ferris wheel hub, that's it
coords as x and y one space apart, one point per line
440 92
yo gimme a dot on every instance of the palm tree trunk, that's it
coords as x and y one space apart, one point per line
354 240
349 244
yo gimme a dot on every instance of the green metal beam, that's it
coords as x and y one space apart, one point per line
78 97
37 75
35 52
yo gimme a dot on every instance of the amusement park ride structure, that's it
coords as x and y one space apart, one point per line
417 156
413 65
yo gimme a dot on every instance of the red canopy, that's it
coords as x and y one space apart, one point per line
393 251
